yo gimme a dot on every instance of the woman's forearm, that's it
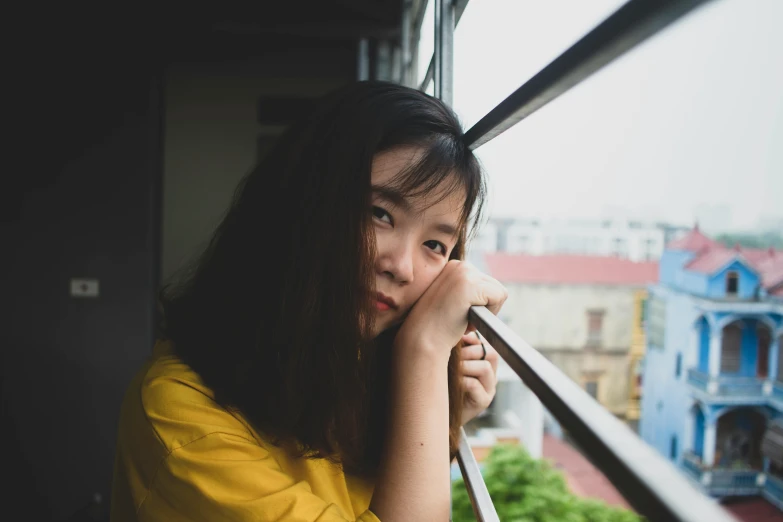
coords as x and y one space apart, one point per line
414 478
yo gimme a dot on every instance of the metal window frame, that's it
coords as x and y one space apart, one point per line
649 482
455 13
630 25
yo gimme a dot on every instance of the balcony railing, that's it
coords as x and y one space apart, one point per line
777 391
691 463
723 481
650 483
773 490
727 388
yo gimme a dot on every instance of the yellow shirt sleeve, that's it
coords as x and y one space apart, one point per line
225 477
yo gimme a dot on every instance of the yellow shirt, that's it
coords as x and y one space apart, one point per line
181 456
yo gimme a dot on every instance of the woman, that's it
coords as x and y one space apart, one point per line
316 364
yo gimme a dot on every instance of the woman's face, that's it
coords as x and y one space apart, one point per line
414 237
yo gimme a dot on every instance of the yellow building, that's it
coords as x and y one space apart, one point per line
636 355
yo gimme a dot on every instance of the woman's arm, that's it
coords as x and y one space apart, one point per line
414 477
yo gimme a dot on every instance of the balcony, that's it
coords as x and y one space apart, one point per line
721 482
773 491
776 395
726 389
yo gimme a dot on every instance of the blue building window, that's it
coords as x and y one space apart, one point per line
732 283
673 448
678 366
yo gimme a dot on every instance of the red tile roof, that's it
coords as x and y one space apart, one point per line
693 241
767 262
713 259
712 256
772 273
584 479
753 509
569 269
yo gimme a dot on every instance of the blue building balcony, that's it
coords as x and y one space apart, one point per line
773 491
776 396
723 482
728 389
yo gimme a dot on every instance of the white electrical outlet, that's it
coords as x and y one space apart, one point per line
84 287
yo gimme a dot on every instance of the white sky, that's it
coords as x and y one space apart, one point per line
688 125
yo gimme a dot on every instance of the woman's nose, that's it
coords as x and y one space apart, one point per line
397 263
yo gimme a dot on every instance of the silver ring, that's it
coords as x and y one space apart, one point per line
483 348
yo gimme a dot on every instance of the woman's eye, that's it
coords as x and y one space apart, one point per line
436 246
381 214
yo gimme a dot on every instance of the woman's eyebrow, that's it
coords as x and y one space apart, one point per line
393 196
449 230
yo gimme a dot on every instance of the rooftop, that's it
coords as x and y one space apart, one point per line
712 256
570 269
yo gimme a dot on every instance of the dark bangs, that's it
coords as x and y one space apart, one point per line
446 167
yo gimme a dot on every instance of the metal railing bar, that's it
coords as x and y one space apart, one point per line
459 8
483 507
652 485
627 27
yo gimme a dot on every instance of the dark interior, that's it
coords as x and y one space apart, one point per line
84 199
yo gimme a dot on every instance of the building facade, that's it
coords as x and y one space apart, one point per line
579 312
636 357
626 239
712 368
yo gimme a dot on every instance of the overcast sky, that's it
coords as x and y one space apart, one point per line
687 126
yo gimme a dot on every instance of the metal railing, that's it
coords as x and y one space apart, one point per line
691 463
726 386
723 481
773 490
727 481
650 483
777 390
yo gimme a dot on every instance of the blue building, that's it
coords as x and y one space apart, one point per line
713 372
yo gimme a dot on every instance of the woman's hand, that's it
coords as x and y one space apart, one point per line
439 319
479 377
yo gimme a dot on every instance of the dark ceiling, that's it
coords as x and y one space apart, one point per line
77 72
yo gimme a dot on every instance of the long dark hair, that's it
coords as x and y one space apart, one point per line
276 314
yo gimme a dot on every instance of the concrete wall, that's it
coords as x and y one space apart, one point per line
609 370
555 316
553 319
212 138
692 282
671 265
665 396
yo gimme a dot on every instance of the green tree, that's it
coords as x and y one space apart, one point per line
525 489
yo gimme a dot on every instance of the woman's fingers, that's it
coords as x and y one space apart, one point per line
473 350
477 398
496 294
483 372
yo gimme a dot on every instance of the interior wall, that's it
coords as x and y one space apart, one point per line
66 360
212 137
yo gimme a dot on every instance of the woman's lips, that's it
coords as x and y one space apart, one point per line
380 305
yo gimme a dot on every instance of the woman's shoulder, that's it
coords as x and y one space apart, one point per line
177 405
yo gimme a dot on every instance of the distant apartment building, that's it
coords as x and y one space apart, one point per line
625 239
712 393
579 312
